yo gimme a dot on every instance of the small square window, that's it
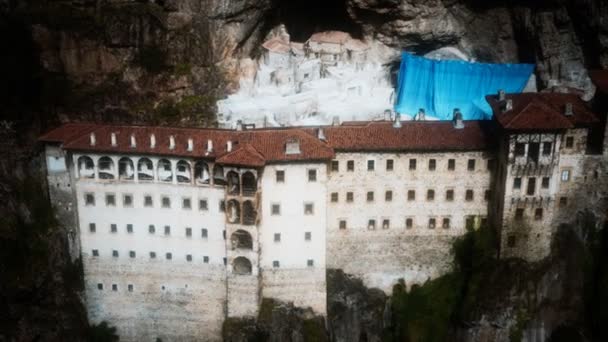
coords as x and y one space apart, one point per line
546 148
114 287
412 164
206 259
130 287
204 233
309 209
430 195
545 183
334 197
520 149
371 165
388 196
280 176
471 165
307 236
131 254
432 223
312 175
487 194
275 209
451 164
389 165
449 195
127 201
95 253
538 214
517 183
129 228
469 195
188 257
563 201
169 256
186 203
113 228
99 286
386 224
349 197
446 223
203 205
411 195
92 228
519 213
335 165
148 201
167 230
151 229
432 164
569 142
277 237
275 264
110 200
350 165
342 224
188 232
152 255
166 202
370 196
89 199
371 224
310 263
115 253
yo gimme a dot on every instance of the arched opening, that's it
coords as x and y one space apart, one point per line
241 239
218 175
233 211
164 170
145 169
249 213
234 187
241 265
126 171
201 172
106 168
183 172
86 167
250 185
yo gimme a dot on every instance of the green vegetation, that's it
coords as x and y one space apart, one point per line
516 331
102 332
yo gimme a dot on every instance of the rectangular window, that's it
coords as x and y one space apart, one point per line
280 176
468 195
565 175
370 196
129 228
451 164
203 205
189 257
349 197
92 227
449 195
334 197
99 286
152 255
130 287
545 183
388 196
166 202
186 203
350 165
310 263
371 224
307 236
487 194
204 233
389 165
95 253
309 209
169 256
114 253
167 230
275 209
188 232
533 151
131 254
430 195
538 214
312 175
446 223
151 229
277 237
386 224
371 165
206 259
563 201
531 186
222 206
491 164
520 149
546 148
110 200
127 200
432 164
114 287
412 164
519 213
89 199
411 195
276 264
432 223
471 165
517 183
113 228
147 201
342 224
409 222
335 165
569 142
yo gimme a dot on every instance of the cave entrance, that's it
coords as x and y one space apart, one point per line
302 18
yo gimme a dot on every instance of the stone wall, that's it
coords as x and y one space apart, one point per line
303 287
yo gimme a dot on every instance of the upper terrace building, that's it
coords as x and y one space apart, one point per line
179 228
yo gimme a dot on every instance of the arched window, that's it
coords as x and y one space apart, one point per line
165 174
249 213
183 172
218 175
86 167
250 185
126 171
233 211
241 265
201 172
145 169
234 187
106 168
241 239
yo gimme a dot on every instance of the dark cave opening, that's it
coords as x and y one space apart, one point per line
302 18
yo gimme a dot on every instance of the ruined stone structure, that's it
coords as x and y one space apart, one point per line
180 228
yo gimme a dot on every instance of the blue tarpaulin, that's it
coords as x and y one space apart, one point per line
441 86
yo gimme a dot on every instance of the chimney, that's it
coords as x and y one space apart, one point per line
568 111
507 105
171 142
113 139
421 114
190 145
458 123
133 142
152 141
335 121
209 145
397 122
92 139
321 134
229 146
501 95
239 125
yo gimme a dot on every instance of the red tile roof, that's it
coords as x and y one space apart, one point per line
334 37
541 111
276 45
245 155
600 79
